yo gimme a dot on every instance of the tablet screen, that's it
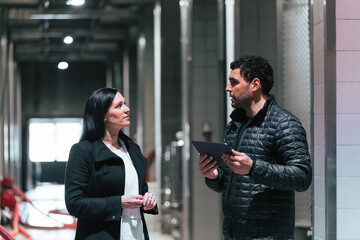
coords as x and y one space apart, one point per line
214 149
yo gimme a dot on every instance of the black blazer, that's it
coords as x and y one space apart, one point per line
94 184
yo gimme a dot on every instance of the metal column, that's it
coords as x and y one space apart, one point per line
186 73
4 95
140 93
18 120
126 82
13 160
330 120
117 80
2 92
230 44
109 75
157 91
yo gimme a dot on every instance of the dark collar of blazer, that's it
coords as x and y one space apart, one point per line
103 153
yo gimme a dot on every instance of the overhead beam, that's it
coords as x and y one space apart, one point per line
70 57
31 34
19 3
71 14
130 2
49 48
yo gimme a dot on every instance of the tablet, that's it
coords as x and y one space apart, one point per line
214 149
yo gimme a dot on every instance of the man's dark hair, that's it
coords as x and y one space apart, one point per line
252 66
96 108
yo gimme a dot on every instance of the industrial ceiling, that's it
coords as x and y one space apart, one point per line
99 28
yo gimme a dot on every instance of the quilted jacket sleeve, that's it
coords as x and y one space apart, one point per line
216 184
292 170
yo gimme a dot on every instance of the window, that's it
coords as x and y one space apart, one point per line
51 139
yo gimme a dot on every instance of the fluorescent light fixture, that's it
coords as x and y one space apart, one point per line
68 40
75 2
63 65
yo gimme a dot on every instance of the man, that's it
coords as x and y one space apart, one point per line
269 161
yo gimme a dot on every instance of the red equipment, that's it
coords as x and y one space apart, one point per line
11 197
4 234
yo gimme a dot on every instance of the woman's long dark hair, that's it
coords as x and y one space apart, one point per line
96 108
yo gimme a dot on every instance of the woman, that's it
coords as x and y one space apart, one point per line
105 184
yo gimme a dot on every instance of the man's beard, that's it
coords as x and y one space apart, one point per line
235 104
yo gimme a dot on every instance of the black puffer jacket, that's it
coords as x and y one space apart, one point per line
261 203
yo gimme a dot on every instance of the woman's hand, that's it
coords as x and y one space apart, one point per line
149 201
132 201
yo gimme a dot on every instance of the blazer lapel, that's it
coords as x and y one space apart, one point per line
102 152
138 160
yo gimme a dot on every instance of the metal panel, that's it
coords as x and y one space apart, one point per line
296 81
2 93
330 120
19 2
141 47
157 93
230 45
186 73
126 82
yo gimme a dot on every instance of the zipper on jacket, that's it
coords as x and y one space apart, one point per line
241 134
238 140
229 194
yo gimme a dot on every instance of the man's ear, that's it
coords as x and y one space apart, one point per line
255 84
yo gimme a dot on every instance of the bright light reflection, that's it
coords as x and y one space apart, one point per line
142 41
167 204
46 4
50 141
42 142
180 143
75 2
66 135
63 65
68 40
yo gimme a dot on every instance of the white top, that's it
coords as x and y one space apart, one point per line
131 224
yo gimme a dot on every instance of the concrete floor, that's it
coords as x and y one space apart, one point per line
68 234
48 197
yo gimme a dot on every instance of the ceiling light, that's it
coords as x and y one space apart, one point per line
46 4
63 65
75 2
68 40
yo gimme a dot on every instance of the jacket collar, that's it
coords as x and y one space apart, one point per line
239 115
102 152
